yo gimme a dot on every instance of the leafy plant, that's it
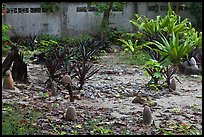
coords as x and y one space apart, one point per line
104 42
30 42
88 48
84 72
6 42
54 62
168 73
154 69
174 48
133 48
155 55
150 29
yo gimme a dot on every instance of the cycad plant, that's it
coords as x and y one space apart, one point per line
175 49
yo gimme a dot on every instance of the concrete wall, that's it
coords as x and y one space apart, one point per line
25 24
89 22
70 21
153 9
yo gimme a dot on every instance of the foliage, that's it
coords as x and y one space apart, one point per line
133 48
168 73
154 69
54 62
196 10
88 48
84 72
104 42
95 129
171 23
6 42
30 42
63 38
114 34
138 59
195 37
102 6
16 122
155 55
182 129
50 7
175 49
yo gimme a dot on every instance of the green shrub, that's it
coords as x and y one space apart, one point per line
6 42
175 49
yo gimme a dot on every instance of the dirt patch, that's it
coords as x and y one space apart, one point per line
108 96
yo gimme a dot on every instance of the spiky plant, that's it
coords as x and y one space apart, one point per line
168 73
83 72
155 55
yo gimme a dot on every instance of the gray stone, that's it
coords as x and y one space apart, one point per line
147 116
172 84
66 79
71 114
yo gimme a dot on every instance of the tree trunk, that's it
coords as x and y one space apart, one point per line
9 59
19 70
105 20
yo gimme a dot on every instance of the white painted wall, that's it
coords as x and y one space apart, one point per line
25 24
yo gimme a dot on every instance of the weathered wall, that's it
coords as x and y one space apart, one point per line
25 24
153 9
89 22
71 21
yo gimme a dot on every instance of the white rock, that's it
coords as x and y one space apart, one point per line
192 61
194 66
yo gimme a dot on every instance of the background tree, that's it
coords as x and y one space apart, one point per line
105 8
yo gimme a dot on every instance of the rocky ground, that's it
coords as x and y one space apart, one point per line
105 106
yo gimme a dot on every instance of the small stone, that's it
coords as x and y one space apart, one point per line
66 96
175 93
139 99
66 79
147 116
78 97
172 84
71 113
